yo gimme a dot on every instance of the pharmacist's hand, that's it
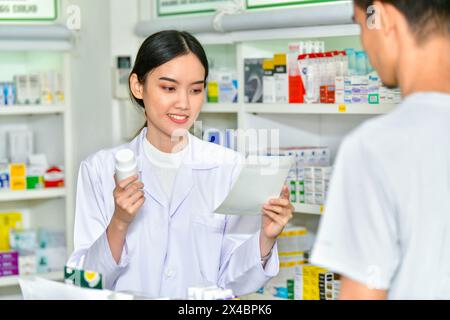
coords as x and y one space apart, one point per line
128 199
276 215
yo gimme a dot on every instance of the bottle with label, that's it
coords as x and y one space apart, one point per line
213 88
281 78
269 94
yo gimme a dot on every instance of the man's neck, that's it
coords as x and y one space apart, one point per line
427 68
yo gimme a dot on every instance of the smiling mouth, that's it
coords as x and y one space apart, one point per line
178 118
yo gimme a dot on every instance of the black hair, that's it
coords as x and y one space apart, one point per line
161 48
425 17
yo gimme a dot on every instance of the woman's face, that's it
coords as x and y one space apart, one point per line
173 94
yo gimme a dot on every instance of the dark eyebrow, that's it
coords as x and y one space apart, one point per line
168 79
175 81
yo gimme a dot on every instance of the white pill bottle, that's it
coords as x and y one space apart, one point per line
126 164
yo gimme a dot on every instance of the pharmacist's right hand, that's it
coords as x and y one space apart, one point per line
128 199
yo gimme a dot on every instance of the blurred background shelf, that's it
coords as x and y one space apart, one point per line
357 109
31 110
309 209
220 108
32 194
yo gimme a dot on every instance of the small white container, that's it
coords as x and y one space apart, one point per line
126 164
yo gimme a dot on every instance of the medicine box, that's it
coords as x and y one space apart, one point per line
83 278
253 83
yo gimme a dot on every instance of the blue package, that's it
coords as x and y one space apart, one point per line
10 94
282 292
214 137
2 94
235 85
4 181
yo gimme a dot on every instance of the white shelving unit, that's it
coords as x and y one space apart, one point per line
41 194
357 109
309 209
27 50
220 108
31 110
297 124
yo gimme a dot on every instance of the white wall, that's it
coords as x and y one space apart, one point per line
124 16
91 80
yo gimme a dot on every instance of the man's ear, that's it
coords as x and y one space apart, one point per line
137 89
387 17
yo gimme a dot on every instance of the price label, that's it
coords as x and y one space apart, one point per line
342 108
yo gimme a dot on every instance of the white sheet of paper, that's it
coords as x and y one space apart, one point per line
262 178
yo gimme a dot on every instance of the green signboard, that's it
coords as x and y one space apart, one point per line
258 4
28 10
182 7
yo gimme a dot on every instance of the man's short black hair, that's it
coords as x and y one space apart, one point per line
425 17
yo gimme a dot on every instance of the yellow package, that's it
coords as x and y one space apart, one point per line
17 170
18 183
311 282
8 221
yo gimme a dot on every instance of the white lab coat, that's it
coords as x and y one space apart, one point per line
171 246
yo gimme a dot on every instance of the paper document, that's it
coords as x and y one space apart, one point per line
262 178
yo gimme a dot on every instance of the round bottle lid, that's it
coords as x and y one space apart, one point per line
125 159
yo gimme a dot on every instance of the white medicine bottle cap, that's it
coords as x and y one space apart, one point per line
125 160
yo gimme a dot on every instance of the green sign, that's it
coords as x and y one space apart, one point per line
28 10
258 4
181 7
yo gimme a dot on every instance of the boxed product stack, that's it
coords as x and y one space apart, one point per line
364 89
293 247
25 170
26 252
29 89
329 286
315 283
316 184
309 178
19 176
222 87
9 264
40 251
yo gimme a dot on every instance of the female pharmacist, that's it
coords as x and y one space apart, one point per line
160 236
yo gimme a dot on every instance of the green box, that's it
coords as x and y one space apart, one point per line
83 279
290 287
294 197
35 182
374 98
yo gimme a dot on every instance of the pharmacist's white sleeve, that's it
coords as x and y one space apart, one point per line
358 235
92 251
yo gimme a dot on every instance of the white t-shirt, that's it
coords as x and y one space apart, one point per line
387 218
165 165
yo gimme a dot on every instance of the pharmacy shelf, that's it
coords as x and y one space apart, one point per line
220 108
31 110
215 38
309 209
14 280
357 109
33 37
42 194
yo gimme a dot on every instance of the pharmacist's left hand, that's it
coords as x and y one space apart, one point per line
276 215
